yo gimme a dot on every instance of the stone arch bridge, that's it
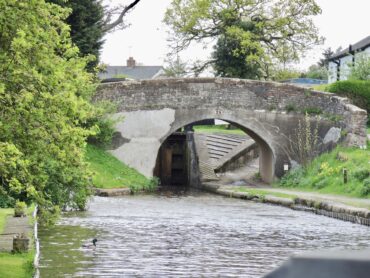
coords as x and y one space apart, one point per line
149 111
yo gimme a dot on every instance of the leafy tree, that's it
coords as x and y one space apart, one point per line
44 107
176 68
282 74
261 32
324 62
317 72
361 69
86 22
232 58
89 21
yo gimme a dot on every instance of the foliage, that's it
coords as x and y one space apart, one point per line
256 32
281 74
102 123
290 108
86 23
44 93
358 91
362 174
312 111
20 209
324 173
317 72
327 54
6 201
365 188
109 172
361 69
304 141
176 68
233 58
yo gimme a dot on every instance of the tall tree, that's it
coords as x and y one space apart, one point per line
90 21
44 106
324 62
271 30
232 58
176 68
86 20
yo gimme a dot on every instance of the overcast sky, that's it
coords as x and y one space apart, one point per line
342 22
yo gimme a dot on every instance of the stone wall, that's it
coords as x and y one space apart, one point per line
214 93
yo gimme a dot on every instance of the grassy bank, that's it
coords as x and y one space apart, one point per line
4 213
14 265
262 192
325 173
109 172
217 129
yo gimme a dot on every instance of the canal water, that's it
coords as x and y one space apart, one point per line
187 234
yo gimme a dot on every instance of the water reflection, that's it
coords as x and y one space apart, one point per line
186 234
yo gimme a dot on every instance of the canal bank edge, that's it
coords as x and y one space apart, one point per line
112 192
320 207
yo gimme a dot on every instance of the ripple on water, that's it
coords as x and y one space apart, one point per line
187 236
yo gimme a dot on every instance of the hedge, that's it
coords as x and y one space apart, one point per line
356 90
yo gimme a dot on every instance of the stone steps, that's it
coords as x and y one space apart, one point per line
214 150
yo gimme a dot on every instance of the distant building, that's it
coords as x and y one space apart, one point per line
131 71
339 63
305 82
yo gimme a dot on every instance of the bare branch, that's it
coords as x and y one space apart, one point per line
110 26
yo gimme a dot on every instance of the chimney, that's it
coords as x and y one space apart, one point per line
131 63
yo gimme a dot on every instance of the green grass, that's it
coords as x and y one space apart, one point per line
321 88
325 173
262 192
109 172
4 213
217 129
16 265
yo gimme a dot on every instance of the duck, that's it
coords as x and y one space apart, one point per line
90 246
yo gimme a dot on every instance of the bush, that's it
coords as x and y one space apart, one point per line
20 209
312 111
292 178
361 174
6 201
290 108
358 91
365 189
104 134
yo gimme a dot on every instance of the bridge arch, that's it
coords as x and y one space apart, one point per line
154 109
266 152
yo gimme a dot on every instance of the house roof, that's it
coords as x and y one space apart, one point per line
137 72
359 46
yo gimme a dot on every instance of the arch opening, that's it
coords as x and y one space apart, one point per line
229 149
